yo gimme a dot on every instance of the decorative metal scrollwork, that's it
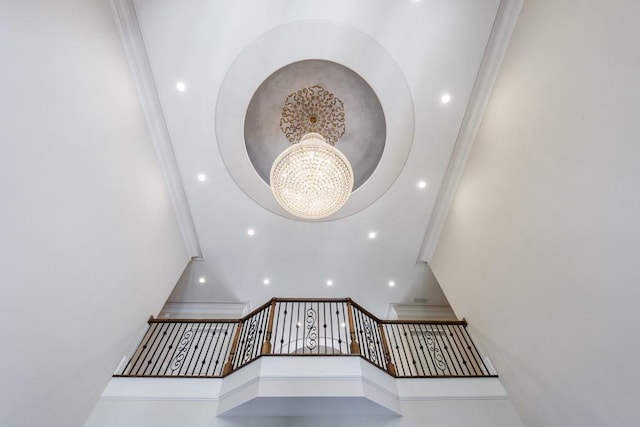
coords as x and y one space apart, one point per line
369 338
250 341
313 109
435 351
183 348
312 329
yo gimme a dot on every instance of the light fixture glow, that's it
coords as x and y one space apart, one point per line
202 177
342 325
311 179
372 234
251 232
329 282
181 86
445 98
391 283
202 280
266 281
422 184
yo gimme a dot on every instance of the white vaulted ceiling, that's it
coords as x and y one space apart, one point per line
410 52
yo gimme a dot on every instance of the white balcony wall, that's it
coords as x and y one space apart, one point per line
305 391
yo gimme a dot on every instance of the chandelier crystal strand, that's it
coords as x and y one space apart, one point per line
311 179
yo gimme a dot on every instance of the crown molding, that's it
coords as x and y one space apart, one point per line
126 18
504 24
205 310
420 312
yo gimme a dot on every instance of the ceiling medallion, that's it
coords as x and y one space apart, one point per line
313 109
311 179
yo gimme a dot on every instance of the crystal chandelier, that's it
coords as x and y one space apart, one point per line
311 179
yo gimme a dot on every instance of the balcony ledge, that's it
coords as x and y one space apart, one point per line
306 385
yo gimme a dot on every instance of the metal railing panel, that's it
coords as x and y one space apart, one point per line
289 326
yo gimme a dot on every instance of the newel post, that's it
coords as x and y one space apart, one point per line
354 347
266 345
391 368
228 367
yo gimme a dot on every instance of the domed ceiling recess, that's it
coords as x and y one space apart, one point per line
316 96
356 103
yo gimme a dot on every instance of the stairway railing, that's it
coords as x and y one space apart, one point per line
304 327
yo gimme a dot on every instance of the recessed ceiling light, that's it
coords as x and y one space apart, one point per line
329 282
422 184
266 281
251 232
391 283
181 87
202 280
445 98
298 324
342 325
202 177
372 234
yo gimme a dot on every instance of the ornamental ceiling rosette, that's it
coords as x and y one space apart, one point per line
313 109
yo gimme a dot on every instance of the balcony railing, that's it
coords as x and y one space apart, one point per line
300 327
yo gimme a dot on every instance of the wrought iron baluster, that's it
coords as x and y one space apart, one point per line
415 352
183 347
164 364
144 349
468 357
310 328
155 345
276 309
424 347
209 343
402 352
324 327
150 331
448 350
469 341
262 317
199 346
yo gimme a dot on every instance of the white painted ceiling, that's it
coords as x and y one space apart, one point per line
438 46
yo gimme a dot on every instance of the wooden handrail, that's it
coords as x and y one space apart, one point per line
257 310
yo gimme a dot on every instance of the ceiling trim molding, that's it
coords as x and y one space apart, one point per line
420 312
504 24
126 18
205 310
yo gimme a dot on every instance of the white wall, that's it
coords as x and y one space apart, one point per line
541 246
441 413
89 241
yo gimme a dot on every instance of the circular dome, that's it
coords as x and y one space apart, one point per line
311 179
